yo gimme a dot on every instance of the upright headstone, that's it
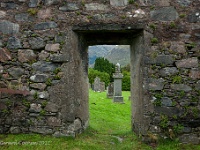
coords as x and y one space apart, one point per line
117 96
110 90
98 85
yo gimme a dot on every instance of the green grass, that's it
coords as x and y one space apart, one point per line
110 129
107 117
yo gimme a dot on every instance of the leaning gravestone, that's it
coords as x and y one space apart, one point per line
110 90
98 85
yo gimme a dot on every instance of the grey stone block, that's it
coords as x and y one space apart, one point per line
7 27
45 25
164 14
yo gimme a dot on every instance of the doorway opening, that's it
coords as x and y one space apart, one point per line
109 34
107 117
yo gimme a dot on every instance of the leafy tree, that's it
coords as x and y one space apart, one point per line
126 81
103 65
126 68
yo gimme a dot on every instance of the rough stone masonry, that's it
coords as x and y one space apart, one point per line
43 55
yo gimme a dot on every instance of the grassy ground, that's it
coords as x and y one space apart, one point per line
110 129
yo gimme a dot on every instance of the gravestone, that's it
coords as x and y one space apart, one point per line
102 86
117 97
98 85
110 90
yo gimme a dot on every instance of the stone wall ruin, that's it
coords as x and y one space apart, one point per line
43 55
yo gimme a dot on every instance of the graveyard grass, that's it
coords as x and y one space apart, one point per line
110 129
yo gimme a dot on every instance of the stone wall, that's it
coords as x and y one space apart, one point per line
44 62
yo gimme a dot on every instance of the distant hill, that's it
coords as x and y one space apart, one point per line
113 53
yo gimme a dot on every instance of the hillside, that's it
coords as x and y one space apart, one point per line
113 53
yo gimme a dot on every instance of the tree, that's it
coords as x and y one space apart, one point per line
103 65
126 68
126 81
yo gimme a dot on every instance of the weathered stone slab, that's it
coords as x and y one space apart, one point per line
4 55
45 25
42 66
43 95
14 43
38 86
178 47
96 6
53 121
155 2
181 87
39 78
35 108
37 122
195 26
52 47
164 14
16 72
22 17
26 55
59 58
51 2
15 130
69 7
194 74
185 36
37 43
33 3
41 130
168 71
7 27
155 84
166 101
43 55
184 2
104 16
188 63
160 60
44 13
189 138
118 2
169 111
